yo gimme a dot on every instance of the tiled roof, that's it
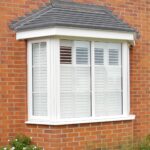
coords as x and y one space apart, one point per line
69 14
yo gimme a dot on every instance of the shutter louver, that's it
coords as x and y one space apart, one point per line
39 83
82 91
100 90
66 92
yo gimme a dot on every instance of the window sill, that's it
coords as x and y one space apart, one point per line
83 120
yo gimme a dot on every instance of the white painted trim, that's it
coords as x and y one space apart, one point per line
128 76
93 77
75 32
82 120
125 74
54 76
29 76
48 78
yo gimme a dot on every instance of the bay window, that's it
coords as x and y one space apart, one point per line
77 81
78 64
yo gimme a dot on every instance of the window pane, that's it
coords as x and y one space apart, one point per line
75 96
39 104
39 79
108 79
113 57
82 55
99 56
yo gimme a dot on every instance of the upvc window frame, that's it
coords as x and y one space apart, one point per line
29 80
53 86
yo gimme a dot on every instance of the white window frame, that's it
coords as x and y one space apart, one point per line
29 83
53 86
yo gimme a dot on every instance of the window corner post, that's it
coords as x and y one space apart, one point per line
126 78
53 78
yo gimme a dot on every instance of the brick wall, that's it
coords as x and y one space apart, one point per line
13 85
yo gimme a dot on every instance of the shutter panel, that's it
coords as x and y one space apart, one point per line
114 94
75 80
82 79
108 84
66 92
100 79
39 79
114 80
66 80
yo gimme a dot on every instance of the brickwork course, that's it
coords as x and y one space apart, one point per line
13 84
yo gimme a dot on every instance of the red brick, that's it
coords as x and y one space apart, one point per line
13 84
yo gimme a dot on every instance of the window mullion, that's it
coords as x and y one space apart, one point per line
74 75
54 79
125 72
48 78
93 78
30 98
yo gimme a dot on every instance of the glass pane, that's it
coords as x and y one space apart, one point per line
40 104
99 56
39 79
65 55
113 57
108 79
75 88
82 55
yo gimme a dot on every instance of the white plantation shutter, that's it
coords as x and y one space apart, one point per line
66 80
114 80
39 79
77 79
83 79
100 78
108 83
75 96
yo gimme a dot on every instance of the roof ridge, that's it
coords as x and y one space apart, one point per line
77 5
83 11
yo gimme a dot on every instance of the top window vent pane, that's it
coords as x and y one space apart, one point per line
99 56
113 57
82 55
65 55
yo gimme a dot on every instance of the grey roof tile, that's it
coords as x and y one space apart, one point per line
69 14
